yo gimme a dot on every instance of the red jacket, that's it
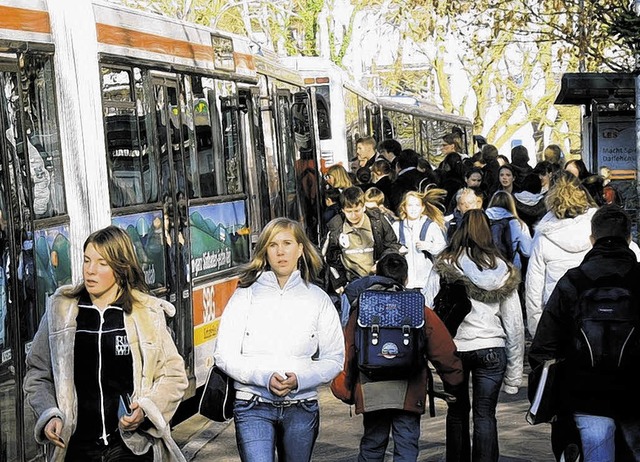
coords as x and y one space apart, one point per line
353 387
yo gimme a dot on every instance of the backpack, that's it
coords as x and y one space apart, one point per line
607 337
389 337
501 232
452 304
423 234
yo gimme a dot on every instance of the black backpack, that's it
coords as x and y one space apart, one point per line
607 337
389 337
452 304
501 232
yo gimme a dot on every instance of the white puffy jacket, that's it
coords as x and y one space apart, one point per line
266 329
495 319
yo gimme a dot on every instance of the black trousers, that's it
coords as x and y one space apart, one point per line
95 451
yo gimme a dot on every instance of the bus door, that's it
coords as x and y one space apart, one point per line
305 130
287 155
256 160
20 166
175 187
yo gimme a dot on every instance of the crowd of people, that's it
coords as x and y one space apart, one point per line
523 243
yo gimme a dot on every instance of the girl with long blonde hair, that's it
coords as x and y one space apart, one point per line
421 232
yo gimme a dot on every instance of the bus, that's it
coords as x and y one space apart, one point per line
357 113
184 137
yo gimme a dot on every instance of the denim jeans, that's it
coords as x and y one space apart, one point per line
263 428
487 368
116 451
405 427
598 437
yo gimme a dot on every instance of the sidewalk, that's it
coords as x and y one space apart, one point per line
202 440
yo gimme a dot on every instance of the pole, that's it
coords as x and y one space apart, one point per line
636 7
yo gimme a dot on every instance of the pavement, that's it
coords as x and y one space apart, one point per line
203 440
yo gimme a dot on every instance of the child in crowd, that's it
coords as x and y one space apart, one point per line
395 406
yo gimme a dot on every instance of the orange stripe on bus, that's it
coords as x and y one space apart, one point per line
24 20
119 36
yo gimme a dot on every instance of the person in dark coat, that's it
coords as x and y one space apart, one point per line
407 179
602 402
520 164
394 406
358 237
381 175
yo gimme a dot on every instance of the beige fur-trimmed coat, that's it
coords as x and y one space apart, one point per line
159 374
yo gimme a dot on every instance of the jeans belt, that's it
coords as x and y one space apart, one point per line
278 403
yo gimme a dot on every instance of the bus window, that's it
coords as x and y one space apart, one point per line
203 164
231 146
287 156
132 179
387 129
324 117
42 143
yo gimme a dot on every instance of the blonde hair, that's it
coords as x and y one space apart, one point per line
115 246
431 201
310 262
567 198
341 179
374 195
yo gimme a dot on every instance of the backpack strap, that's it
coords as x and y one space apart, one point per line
423 230
425 227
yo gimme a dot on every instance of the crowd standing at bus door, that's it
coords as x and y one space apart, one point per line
117 378
279 339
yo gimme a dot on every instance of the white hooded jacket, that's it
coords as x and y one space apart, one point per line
495 319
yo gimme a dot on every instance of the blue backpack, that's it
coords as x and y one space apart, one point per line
390 334
501 232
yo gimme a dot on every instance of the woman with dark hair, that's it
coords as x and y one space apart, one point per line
111 347
506 179
530 201
279 339
490 339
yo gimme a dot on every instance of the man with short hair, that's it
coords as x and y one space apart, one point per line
599 379
366 151
389 150
466 199
358 237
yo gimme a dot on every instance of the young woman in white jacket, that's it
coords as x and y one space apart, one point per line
421 232
490 339
279 338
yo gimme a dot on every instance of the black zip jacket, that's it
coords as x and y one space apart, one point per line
582 389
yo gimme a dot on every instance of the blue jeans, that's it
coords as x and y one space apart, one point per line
597 434
487 368
405 427
263 428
